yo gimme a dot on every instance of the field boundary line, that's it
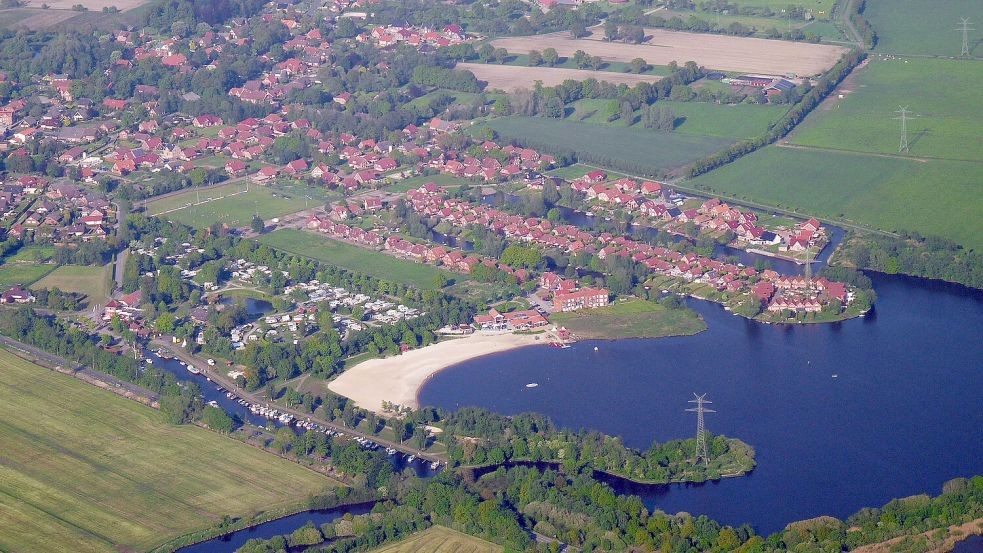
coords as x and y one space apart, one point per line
922 159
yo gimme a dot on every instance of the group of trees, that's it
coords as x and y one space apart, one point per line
917 255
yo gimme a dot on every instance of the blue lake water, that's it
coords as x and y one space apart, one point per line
902 415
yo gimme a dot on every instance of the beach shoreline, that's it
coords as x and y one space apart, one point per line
399 379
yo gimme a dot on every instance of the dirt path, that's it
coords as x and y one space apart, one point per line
953 535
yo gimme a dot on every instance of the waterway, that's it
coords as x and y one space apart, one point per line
972 544
286 525
842 416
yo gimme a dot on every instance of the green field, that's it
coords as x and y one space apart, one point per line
23 274
630 319
944 95
932 197
91 281
441 179
926 27
235 210
354 258
522 60
692 118
653 151
439 539
84 470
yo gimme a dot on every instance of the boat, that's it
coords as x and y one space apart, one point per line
193 370
213 403
435 465
531 385
150 361
595 348
836 376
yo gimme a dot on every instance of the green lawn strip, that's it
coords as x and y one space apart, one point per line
630 319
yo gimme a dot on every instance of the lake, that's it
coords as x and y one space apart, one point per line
842 416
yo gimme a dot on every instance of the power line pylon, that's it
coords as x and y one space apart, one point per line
964 28
702 452
903 117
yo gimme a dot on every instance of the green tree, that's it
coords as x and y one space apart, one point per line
257 224
535 58
550 57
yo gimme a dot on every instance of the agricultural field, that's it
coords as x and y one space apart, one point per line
944 96
726 53
924 27
630 319
229 204
93 472
936 197
692 118
91 281
512 77
440 179
650 150
439 539
371 262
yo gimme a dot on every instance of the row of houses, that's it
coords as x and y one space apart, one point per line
690 267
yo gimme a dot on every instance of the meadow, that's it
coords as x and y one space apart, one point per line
439 539
354 258
649 150
944 96
692 118
23 274
93 472
228 204
630 319
91 281
934 197
924 27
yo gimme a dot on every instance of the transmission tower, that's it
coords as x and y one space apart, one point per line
701 437
964 28
903 117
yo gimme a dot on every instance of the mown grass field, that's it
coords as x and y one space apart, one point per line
944 95
234 210
441 179
934 197
377 264
926 27
91 281
651 150
23 274
692 118
630 319
439 539
86 471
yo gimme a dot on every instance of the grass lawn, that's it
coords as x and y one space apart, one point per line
651 151
354 258
91 281
93 472
24 274
630 319
440 179
577 170
692 118
31 254
923 26
218 206
439 539
934 197
948 117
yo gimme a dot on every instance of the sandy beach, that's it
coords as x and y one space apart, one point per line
399 379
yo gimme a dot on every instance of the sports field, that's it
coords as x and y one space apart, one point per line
944 96
91 281
693 118
652 150
229 204
371 262
934 197
439 539
83 470
926 27
726 53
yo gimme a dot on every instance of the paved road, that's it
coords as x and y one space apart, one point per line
229 384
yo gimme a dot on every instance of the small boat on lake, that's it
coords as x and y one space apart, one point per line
193 370
531 385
